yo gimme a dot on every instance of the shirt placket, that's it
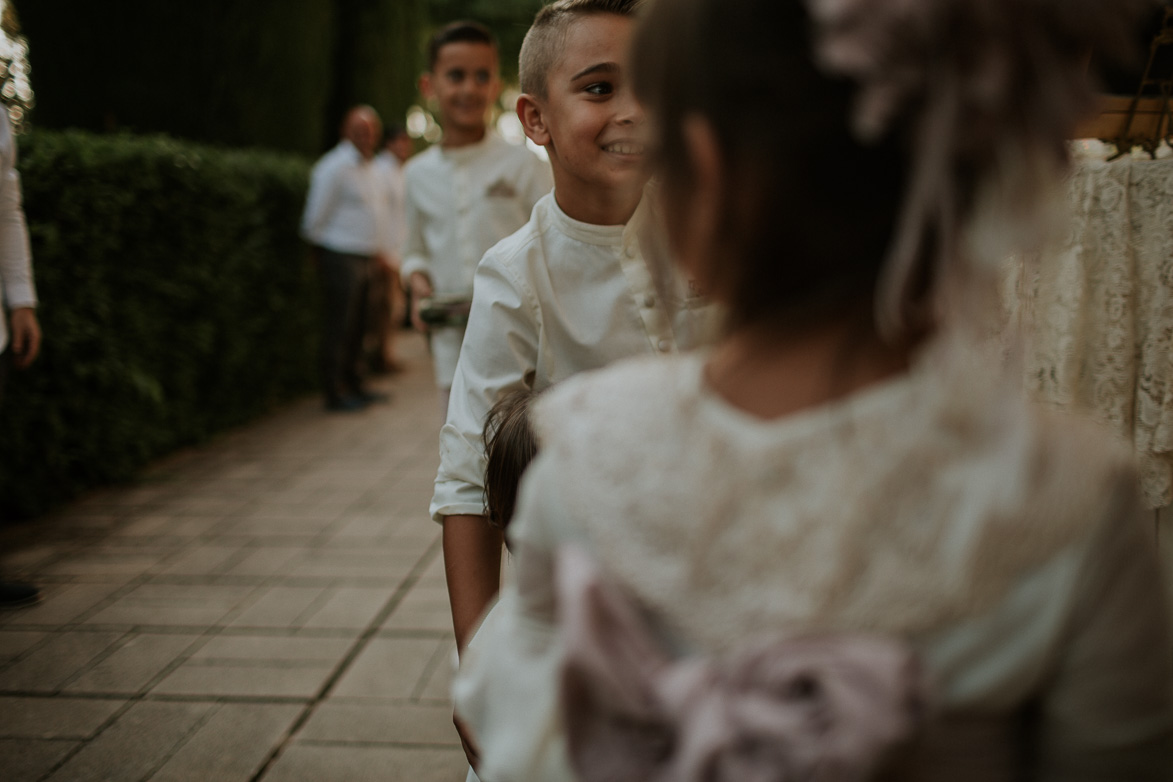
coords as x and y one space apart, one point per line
465 225
652 312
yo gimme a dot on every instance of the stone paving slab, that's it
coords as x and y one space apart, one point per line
46 668
140 660
342 720
233 744
137 744
25 759
268 606
55 718
390 668
311 763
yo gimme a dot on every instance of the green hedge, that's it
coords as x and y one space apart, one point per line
175 302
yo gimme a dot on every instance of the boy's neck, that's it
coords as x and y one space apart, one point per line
462 137
597 208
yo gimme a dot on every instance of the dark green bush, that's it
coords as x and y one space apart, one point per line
175 302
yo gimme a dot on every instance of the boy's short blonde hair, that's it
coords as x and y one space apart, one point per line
546 36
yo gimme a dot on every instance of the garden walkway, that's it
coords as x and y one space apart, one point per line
268 606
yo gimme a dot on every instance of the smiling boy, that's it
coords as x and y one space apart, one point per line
466 193
567 293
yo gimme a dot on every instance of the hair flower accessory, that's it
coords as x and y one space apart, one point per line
986 92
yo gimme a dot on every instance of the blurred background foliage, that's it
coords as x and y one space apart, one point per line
270 73
173 300
164 173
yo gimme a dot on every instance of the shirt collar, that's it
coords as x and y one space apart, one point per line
622 236
467 152
350 151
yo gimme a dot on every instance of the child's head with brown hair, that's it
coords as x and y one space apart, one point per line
463 78
578 104
819 158
510 445
797 226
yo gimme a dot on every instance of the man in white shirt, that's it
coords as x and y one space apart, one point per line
345 220
20 334
387 296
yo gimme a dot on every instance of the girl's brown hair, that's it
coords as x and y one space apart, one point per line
510 445
808 212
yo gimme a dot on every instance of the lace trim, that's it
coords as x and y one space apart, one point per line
1097 312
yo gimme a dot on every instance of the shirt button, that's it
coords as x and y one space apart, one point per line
631 251
664 345
649 301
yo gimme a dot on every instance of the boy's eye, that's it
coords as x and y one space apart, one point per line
599 88
482 77
455 76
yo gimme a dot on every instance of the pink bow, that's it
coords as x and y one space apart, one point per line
818 709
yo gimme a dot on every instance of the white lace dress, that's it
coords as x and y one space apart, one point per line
1003 541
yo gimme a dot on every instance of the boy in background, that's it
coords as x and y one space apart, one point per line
466 193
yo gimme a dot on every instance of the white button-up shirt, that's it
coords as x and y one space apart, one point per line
16 270
395 193
557 298
461 201
346 207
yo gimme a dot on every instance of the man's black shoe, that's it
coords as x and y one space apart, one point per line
14 594
345 404
372 397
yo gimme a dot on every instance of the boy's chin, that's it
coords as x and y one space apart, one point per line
465 122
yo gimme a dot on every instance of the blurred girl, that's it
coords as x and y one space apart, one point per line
847 459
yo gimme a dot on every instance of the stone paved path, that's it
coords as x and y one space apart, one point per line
269 606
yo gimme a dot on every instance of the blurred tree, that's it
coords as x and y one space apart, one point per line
272 73
378 56
242 74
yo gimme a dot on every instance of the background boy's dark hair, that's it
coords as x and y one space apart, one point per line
463 31
510 445
543 42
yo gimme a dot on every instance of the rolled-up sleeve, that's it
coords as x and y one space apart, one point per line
497 356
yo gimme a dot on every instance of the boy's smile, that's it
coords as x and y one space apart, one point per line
464 83
590 122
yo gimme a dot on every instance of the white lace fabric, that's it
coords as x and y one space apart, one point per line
731 523
1097 312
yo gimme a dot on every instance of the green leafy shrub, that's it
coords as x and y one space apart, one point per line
175 302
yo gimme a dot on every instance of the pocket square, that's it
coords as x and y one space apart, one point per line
501 189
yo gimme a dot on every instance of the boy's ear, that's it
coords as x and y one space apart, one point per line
533 119
426 86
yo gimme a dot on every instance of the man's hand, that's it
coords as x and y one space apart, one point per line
388 262
26 336
421 288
